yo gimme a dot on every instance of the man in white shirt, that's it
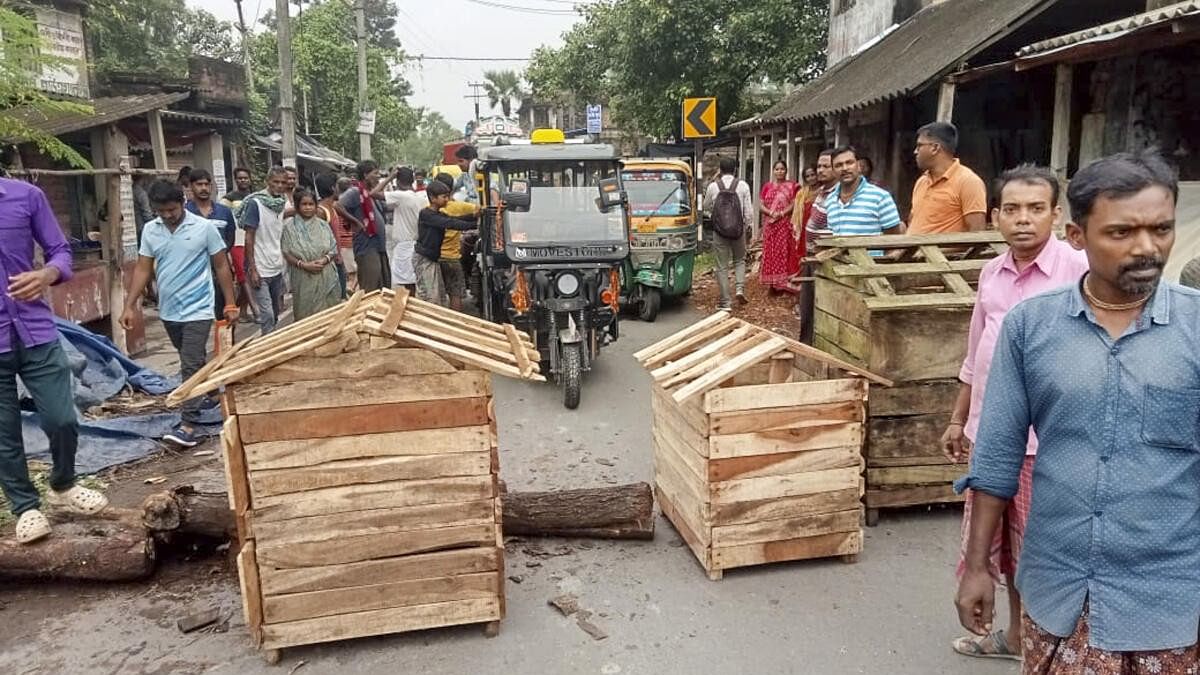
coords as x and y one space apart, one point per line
261 217
406 206
729 240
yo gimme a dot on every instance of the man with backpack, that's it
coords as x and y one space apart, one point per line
728 199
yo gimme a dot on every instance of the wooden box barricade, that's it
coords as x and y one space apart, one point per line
361 457
757 444
906 316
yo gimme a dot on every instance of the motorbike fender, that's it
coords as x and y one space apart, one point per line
570 336
650 278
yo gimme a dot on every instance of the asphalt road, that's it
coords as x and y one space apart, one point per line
889 613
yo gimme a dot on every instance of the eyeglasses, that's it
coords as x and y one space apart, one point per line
923 144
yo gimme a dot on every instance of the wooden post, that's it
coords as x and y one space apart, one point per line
774 152
1060 143
793 172
116 146
158 141
841 130
945 109
743 157
756 186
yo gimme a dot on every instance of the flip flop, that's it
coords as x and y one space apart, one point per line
973 646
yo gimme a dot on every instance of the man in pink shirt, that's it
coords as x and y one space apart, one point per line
1036 262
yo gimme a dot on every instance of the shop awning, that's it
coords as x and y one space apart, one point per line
1176 23
103 111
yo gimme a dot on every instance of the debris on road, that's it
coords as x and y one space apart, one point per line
567 603
194 622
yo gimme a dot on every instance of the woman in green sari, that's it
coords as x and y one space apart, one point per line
310 250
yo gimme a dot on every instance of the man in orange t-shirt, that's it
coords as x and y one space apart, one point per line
948 197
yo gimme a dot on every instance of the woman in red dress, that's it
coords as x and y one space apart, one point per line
780 261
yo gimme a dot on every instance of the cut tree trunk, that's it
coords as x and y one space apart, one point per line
184 511
94 550
618 512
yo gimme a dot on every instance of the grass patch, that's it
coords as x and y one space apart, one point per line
705 263
39 473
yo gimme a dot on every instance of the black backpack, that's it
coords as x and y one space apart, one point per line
727 216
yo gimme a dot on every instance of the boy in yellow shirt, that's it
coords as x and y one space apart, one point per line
454 278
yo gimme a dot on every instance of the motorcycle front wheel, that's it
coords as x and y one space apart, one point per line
570 374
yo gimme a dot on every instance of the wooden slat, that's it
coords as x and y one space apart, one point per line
252 594
395 313
843 302
919 345
715 360
688 411
418 323
375 546
315 604
729 368
380 622
909 240
909 436
523 363
912 496
363 419
794 485
342 317
823 546
395 494
926 301
781 368
479 345
684 479
915 475
804 350
767 419
692 343
913 398
787 528
690 536
737 513
850 338
787 395
373 521
782 464
406 568
369 470
307 452
796 439
357 366
347 393
700 355
235 465
906 269
468 357
183 391
653 350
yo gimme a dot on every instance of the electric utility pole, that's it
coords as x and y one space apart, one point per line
245 47
364 135
287 105
475 87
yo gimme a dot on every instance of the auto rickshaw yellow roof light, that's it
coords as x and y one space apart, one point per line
546 136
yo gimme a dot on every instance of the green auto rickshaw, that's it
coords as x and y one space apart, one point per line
663 233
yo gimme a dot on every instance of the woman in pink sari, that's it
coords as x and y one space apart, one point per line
780 260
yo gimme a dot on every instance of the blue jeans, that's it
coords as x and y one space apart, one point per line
269 298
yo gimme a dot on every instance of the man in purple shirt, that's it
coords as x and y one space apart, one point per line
29 348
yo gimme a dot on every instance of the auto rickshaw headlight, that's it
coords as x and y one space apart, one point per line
567 284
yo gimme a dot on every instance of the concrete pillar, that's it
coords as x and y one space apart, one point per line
793 172
1060 143
209 153
945 109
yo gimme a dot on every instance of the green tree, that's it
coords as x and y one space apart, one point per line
155 36
503 88
423 148
22 57
644 56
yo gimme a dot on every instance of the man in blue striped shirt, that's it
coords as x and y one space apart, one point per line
858 207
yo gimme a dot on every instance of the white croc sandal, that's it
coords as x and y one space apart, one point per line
31 526
79 499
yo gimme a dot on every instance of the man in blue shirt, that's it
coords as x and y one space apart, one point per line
202 204
857 207
182 249
1107 373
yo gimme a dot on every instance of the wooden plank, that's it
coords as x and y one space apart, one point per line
495 345
807 351
910 240
398 362
842 302
852 339
794 439
523 362
920 301
674 339
688 411
380 622
347 393
395 494
296 606
376 545
308 452
787 528
794 485
445 317
369 470
235 465
920 345
781 368
913 398
851 271
689 535
363 419
787 395
954 282
714 360
695 465
410 567
252 594
913 496
915 475
341 319
466 356
766 419
700 355
474 343
730 368
355 523
916 460
912 436
395 313
668 422
782 464
823 546
737 513
183 391
689 487
824 344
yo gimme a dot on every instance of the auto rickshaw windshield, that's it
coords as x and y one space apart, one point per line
656 193
564 204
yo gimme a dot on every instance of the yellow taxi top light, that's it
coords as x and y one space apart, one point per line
542 136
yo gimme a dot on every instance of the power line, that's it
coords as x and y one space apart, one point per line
422 57
527 10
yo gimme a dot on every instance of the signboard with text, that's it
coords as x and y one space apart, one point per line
595 119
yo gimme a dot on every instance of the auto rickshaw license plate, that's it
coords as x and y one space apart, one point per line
647 228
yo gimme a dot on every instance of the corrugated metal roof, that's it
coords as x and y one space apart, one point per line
919 51
307 148
104 111
1143 20
188 116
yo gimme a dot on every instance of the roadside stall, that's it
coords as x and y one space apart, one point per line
904 314
757 444
361 458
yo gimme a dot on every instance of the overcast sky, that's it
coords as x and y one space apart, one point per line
449 28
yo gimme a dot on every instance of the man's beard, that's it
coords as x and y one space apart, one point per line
1139 287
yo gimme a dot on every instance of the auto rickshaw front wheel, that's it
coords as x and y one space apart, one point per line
570 374
651 302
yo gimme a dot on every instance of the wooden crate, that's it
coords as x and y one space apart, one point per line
906 319
757 445
363 470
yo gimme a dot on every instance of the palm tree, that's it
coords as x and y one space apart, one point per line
503 87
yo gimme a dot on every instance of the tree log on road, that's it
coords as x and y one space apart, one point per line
92 550
618 512
184 511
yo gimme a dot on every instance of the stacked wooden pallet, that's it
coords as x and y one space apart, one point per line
757 444
361 456
906 316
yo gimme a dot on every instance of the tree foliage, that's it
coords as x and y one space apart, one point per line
503 88
423 148
155 36
22 58
644 56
